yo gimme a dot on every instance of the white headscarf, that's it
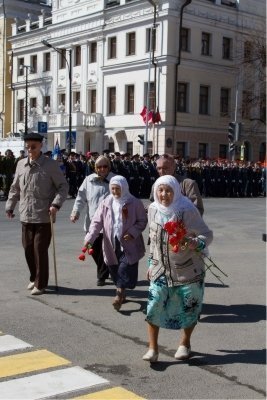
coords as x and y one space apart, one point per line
123 184
179 203
118 203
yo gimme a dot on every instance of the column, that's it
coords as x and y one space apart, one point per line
84 77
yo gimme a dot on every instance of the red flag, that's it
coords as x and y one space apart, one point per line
156 117
149 115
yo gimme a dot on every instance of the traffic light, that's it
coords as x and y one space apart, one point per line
141 139
231 147
232 131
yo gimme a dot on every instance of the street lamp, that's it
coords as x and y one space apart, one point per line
27 69
69 64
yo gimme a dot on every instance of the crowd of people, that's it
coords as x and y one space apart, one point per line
215 178
108 188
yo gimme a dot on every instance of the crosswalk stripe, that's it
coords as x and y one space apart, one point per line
10 343
49 384
116 393
29 362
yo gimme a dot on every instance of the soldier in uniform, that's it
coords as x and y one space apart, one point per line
149 176
8 171
136 177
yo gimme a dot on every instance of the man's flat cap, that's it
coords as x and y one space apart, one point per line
33 136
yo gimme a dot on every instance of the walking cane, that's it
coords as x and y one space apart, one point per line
54 249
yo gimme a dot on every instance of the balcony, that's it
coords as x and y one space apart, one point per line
60 121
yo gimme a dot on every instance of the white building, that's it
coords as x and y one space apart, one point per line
112 67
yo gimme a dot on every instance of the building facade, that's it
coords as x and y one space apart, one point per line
105 60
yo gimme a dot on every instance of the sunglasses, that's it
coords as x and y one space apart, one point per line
102 166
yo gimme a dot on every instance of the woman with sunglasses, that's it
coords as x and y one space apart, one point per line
94 188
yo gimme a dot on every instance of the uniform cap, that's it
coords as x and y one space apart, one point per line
33 136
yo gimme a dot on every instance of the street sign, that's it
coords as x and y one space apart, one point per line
42 127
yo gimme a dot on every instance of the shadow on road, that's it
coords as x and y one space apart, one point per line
235 313
246 356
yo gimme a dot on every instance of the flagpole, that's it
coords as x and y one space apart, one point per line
148 92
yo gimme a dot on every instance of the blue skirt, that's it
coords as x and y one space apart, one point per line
174 307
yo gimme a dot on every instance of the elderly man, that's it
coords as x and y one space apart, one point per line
165 165
41 188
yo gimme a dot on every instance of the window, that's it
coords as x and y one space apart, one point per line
130 46
263 108
20 66
129 148
185 39
111 101
76 97
224 102
181 149
77 60
92 100
129 95
93 52
20 110
246 104
33 102
223 148
62 98
62 59
112 47
149 32
247 51
202 150
152 95
205 44
33 69
227 48
47 61
47 101
182 105
204 100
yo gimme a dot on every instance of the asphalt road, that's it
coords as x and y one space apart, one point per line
79 323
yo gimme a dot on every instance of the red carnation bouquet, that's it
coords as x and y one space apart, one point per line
86 249
178 241
177 234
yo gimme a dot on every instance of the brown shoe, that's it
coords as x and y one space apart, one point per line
118 299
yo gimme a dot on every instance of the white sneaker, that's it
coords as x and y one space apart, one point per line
151 355
36 292
182 353
30 286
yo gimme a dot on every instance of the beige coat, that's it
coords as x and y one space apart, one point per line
183 267
36 187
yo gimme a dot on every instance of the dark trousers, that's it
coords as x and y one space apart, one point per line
102 269
123 274
36 240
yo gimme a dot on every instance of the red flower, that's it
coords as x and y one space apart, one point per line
176 231
82 257
90 252
84 249
125 212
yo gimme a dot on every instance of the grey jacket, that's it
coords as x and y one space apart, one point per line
183 267
37 186
91 192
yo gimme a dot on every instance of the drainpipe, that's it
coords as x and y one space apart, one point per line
153 49
186 3
2 112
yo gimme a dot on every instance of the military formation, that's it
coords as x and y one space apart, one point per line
215 178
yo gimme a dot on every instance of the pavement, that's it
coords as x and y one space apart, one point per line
77 331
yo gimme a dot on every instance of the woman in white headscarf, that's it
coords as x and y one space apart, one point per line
122 217
178 236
